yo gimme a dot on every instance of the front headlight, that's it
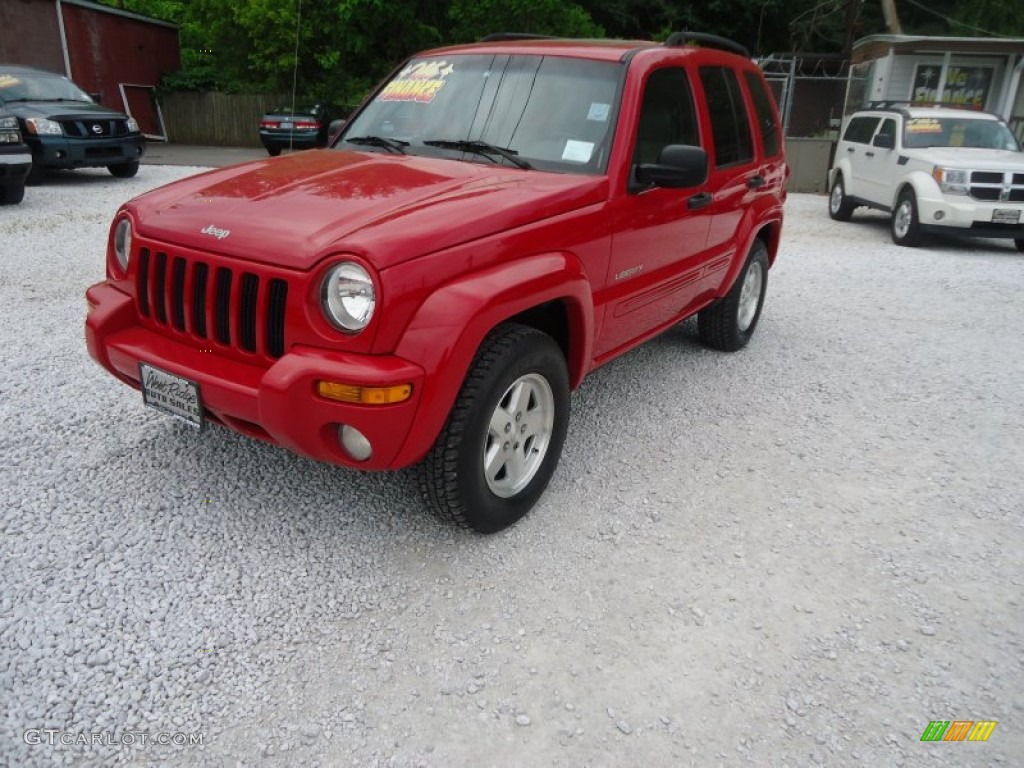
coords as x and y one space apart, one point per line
8 123
952 182
40 126
133 125
347 297
123 243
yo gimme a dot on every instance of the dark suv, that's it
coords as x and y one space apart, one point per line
65 128
15 160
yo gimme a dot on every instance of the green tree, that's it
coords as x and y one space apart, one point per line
473 19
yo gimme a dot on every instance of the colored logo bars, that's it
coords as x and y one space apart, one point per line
958 730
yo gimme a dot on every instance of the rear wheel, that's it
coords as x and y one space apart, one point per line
501 443
11 194
906 228
273 151
124 170
729 324
839 208
1020 244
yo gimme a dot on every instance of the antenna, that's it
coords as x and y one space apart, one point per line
295 74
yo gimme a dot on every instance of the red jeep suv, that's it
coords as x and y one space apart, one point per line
496 221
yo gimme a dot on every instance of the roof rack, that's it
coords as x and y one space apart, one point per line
502 37
679 39
903 103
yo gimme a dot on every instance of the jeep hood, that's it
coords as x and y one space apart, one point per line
296 210
971 159
62 110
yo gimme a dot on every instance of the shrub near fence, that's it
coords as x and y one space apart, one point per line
216 119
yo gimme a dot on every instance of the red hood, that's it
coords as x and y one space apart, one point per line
293 211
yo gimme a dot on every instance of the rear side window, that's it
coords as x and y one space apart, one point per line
730 126
861 129
765 115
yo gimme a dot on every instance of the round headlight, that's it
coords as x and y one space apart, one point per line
123 243
348 297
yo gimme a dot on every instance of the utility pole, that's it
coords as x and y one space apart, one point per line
892 19
852 12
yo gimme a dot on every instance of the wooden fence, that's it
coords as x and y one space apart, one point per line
216 119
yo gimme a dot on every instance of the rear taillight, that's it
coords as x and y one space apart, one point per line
309 126
268 124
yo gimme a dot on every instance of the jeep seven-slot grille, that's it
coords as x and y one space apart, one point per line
996 186
238 310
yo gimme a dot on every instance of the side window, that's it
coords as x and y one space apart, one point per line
730 126
861 129
667 115
888 129
765 114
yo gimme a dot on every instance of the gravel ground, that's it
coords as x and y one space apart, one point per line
795 555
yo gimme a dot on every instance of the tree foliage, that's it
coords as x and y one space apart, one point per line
344 46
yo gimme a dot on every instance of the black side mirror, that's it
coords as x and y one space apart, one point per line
679 166
335 129
884 141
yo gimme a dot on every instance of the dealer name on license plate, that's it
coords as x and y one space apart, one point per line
1006 216
171 394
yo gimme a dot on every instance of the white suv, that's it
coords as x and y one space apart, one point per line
934 169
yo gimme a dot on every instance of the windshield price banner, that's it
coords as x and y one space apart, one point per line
419 82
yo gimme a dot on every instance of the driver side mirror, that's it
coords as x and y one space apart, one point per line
334 129
884 141
679 166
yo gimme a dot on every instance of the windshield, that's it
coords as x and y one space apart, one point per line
39 87
552 113
965 132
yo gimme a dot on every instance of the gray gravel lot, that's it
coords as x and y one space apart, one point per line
795 555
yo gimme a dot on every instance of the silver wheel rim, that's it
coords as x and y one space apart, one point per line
518 435
750 295
904 215
836 200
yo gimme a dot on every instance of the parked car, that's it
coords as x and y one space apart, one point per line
65 128
303 127
15 161
938 170
498 220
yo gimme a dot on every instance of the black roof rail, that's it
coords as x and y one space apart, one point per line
679 39
502 37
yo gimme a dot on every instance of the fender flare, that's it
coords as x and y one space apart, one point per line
449 327
922 184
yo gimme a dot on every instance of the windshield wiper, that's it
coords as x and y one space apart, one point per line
393 145
480 148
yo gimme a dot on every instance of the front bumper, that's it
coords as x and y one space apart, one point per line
278 403
15 163
64 152
968 217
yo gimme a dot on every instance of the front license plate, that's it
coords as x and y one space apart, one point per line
287 125
171 394
1006 216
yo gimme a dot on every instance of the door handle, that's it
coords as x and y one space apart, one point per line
755 181
870 154
850 149
699 201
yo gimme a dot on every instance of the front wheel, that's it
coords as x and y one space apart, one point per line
1020 244
906 228
124 170
839 208
729 324
501 443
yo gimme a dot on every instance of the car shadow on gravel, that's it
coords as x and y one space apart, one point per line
873 224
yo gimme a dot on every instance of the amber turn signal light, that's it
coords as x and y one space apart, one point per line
352 393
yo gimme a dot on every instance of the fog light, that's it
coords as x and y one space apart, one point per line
355 443
940 215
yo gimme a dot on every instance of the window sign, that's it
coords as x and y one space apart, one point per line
965 86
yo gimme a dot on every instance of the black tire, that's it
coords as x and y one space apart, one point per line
12 194
273 151
728 324
124 170
1020 244
905 226
36 174
839 207
513 359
